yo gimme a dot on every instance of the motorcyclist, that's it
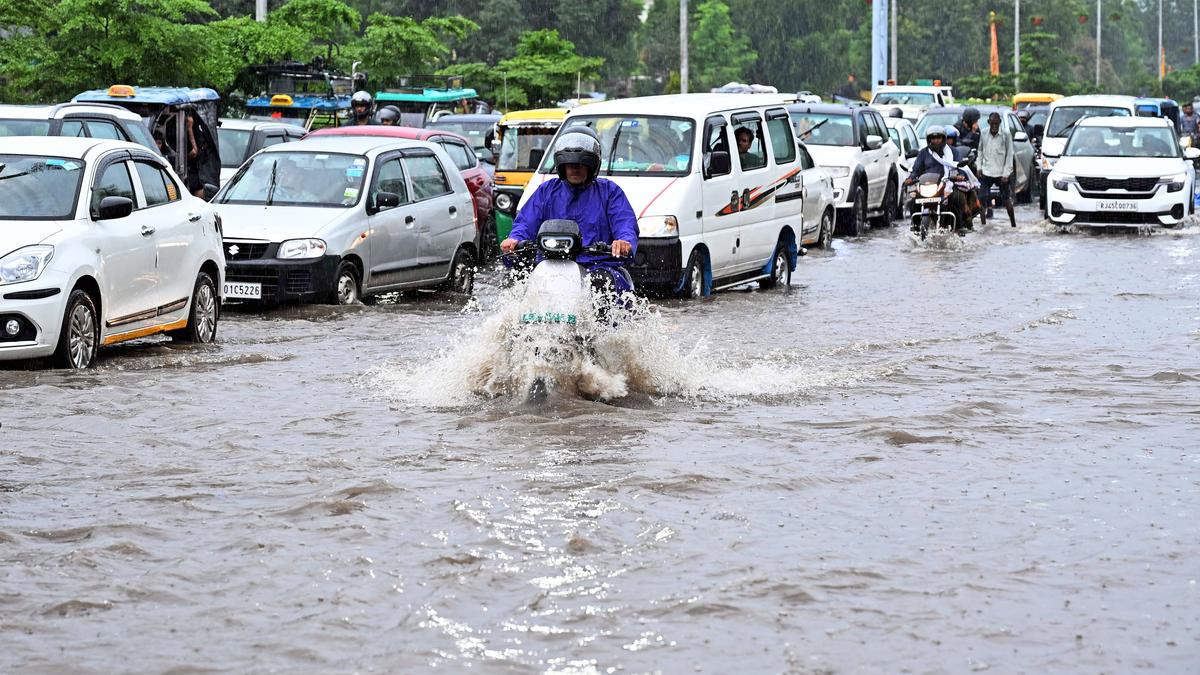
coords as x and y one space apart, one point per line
1023 117
361 105
940 158
968 128
598 205
388 116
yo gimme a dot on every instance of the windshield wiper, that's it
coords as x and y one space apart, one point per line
816 126
271 186
612 151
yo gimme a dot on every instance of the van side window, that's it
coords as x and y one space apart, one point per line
716 139
751 146
783 144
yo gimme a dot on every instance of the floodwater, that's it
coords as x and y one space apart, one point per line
984 457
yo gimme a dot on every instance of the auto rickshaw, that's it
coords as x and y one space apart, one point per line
303 95
521 142
180 120
424 98
1027 99
1158 107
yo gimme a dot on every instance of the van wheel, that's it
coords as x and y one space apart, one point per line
79 338
694 285
462 273
825 234
781 269
202 317
345 286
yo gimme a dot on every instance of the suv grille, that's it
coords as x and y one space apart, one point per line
1130 184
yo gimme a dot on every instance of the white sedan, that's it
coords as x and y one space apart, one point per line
100 243
1122 172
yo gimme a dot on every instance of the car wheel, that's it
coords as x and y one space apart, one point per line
462 273
202 318
825 234
890 202
345 286
781 268
79 338
858 217
694 285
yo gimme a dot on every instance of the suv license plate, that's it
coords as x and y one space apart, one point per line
249 291
1117 206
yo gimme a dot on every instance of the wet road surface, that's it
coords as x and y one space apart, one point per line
912 460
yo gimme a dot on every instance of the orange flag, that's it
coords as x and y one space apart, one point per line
995 49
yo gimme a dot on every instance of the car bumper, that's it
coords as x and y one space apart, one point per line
841 192
1070 207
658 263
38 307
286 280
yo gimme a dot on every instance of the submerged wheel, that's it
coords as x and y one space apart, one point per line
462 273
694 285
781 268
890 204
202 317
79 338
857 221
345 286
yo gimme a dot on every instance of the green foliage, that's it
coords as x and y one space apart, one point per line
983 87
398 45
718 52
330 22
545 70
1182 85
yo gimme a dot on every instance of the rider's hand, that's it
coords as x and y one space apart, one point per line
508 245
1004 180
621 248
909 181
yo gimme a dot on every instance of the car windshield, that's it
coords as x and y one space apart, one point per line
34 187
233 144
1092 141
1063 119
633 146
822 129
903 98
942 119
1038 117
523 147
24 128
291 178
475 132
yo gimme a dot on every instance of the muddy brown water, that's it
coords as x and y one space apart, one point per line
913 460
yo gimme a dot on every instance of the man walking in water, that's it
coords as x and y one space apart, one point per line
995 164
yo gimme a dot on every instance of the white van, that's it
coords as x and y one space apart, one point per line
1065 113
708 216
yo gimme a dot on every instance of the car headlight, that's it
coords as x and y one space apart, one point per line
658 226
838 171
927 190
1060 182
300 249
25 264
1048 162
504 202
1174 183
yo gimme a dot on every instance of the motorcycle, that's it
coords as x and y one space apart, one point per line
930 197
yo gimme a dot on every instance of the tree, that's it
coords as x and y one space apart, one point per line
330 22
720 53
545 70
393 46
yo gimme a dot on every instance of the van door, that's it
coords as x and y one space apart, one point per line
756 233
787 182
720 195
393 230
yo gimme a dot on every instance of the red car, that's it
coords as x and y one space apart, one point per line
459 148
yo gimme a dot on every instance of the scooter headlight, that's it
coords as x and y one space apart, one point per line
557 245
927 190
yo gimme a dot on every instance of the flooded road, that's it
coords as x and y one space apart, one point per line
913 460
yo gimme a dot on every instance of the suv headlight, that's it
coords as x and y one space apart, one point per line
838 171
1174 183
25 264
300 249
1061 181
505 202
658 226
1048 162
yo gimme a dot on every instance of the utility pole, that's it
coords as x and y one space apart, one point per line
896 40
260 10
1099 21
1196 30
1017 46
683 47
1161 64
879 43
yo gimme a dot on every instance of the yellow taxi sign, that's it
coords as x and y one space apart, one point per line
281 99
121 90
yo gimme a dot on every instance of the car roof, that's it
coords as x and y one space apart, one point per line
255 125
918 88
163 95
63 146
358 145
45 112
681 105
386 131
1124 121
828 108
487 118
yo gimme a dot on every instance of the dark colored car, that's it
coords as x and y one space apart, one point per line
479 182
478 129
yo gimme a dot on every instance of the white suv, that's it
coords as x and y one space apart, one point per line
99 243
853 144
1122 172
82 120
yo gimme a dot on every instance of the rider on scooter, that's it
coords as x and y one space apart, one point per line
598 205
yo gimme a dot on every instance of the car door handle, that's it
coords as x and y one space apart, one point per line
193 217
453 210
147 230
409 220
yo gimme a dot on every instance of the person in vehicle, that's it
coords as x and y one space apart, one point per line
1023 118
1189 124
996 155
968 128
598 205
1090 143
360 106
387 116
940 158
745 141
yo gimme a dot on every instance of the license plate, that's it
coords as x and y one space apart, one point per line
234 289
929 200
1113 205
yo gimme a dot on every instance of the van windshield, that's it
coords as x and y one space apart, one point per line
638 146
1063 119
34 187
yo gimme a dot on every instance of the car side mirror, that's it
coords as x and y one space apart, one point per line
210 191
112 208
1021 137
874 142
1191 154
718 164
386 200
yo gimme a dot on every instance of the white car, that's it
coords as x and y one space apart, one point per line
853 144
102 244
912 100
1065 113
1123 172
338 218
239 139
904 135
